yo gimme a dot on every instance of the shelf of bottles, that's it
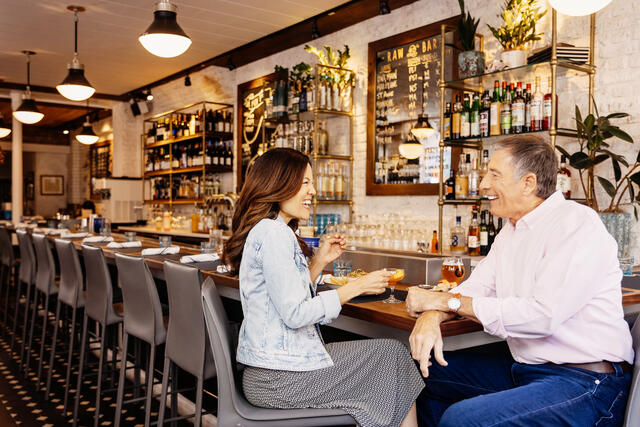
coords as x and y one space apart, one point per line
101 161
184 150
316 119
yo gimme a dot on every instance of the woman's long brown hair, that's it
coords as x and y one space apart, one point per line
275 177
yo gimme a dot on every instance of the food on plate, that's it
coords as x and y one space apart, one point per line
444 285
358 272
334 280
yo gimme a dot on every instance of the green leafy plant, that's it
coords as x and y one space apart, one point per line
467 27
300 76
593 133
331 57
519 24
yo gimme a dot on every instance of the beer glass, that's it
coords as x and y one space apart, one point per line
453 270
398 274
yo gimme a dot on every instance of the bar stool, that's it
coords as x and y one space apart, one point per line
8 266
26 275
100 308
142 318
233 408
70 295
187 343
47 287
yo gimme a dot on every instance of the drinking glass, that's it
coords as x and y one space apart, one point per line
342 267
164 241
207 247
452 270
398 274
216 239
105 229
130 236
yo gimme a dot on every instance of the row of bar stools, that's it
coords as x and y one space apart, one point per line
26 276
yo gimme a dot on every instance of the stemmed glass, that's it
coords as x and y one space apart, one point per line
398 274
453 270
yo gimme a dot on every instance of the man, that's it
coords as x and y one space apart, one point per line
550 287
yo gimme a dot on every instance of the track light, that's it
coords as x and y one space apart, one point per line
187 81
87 136
384 7
314 29
149 95
230 65
164 37
65 132
28 112
75 86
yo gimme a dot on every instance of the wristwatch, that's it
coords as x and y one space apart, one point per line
454 303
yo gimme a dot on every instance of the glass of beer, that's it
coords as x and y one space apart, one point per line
453 270
398 274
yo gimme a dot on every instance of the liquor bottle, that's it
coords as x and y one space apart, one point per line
492 231
151 133
455 118
228 161
473 239
447 122
474 117
485 111
320 182
450 186
462 180
517 111
499 226
227 121
527 108
484 234
536 107
546 108
563 179
434 242
207 158
465 124
474 181
331 184
339 183
484 165
512 90
496 108
458 242
230 121
505 114
323 138
175 163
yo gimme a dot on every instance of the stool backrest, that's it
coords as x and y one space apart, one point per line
632 416
70 272
187 342
6 248
98 281
142 309
46 269
27 272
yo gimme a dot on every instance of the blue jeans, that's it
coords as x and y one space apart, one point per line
485 386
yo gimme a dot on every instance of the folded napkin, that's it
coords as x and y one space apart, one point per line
52 232
97 239
74 235
199 258
161 251
118 245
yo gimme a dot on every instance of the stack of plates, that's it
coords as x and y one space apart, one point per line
578 55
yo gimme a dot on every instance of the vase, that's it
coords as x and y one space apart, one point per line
471 63
619 226
514 58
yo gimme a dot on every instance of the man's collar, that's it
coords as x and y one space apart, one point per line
539 213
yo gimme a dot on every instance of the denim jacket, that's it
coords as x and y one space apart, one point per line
279 303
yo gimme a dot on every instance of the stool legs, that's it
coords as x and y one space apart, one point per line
26 321
163 394
45 318
51 356
83 345
33 322
123 367
147 406
100 368
16 312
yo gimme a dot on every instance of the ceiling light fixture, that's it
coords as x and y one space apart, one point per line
230 65
87 136
578 7
28 112
164 37
422 129
5 130
314 29
65 132
187 81
75 86
149 95
411 148
384 7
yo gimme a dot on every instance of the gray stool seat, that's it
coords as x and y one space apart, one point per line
233 408
632 417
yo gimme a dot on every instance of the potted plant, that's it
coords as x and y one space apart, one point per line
335 85
518 28
470 60
593 132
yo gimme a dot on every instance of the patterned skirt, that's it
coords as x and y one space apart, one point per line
375 381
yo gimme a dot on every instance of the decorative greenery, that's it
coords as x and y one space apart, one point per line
467 27
331 58
300 76
593 132
519 24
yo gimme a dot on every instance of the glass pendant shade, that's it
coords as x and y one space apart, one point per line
75 86
4 128
578 7
28 112
422 129
87 136
164 37
411 149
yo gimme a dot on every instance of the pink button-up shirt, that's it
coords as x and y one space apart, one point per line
551 286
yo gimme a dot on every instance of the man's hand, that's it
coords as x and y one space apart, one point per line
426 336
421 300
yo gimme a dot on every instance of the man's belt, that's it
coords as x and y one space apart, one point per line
603 367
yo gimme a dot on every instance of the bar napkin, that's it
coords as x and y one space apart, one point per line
199 258
74 235
97 239
48 231
161 251
119 245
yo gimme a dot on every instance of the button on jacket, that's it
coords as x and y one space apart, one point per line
279 303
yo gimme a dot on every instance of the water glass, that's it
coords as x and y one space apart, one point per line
626 265
164 241
207 247
342 267
217 241
129 236
105 230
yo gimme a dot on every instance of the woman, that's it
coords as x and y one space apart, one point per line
288 365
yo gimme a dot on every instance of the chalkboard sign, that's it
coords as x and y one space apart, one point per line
404 72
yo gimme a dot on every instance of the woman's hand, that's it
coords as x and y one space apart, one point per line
331 247
371 283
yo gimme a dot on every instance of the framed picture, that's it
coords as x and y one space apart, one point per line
51 185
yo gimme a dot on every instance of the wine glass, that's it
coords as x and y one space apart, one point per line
398 274
453 270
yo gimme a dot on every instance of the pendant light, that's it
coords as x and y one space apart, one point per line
578 7
422 129
75 86
411 148
28 112
4 128
164 37
87 136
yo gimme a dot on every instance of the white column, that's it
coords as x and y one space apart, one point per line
17 178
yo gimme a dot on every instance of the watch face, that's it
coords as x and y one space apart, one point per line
454 304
